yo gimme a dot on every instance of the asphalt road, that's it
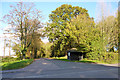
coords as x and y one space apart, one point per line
46 68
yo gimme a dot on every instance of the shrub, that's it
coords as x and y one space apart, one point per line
93 56
111 57
9 59
107 57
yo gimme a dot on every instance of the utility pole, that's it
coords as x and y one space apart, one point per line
5 43
4 46
9 39
9 47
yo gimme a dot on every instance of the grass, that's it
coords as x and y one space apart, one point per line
83 61
16 64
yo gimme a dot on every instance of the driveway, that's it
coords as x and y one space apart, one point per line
47 68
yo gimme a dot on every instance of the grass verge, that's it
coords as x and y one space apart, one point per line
16 64
83 61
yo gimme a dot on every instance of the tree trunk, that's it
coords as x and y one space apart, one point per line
35 55
20 56
24 54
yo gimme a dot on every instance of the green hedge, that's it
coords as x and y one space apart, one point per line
9 59
108 57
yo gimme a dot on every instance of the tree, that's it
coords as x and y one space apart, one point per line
87 37
17 49
109 27
58 21
118 17
36 44
25 20
47 47
83 33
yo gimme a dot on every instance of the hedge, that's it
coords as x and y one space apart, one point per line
107 57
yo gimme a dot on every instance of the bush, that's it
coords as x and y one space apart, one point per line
9 59
93 56
108 57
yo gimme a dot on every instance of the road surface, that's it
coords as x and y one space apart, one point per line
47 68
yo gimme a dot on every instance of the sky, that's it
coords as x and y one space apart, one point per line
94 10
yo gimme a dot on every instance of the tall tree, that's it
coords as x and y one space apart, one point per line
118 17
47 47
109 27
20 18
58 21
36 44
86 36
82 32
